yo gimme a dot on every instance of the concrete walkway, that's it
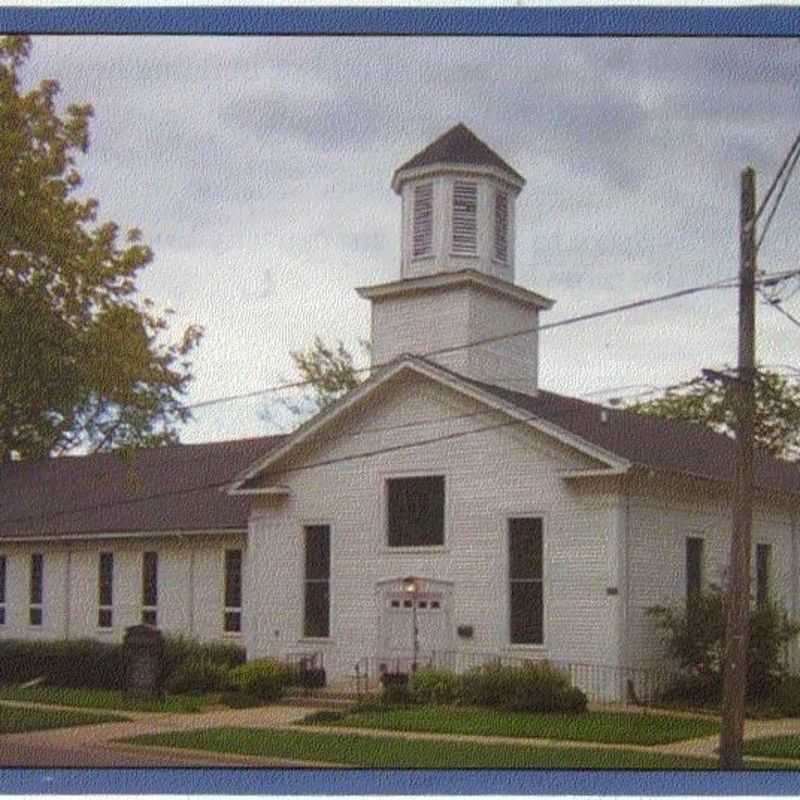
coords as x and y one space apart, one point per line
95 745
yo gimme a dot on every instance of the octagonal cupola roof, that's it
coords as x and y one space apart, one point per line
457 149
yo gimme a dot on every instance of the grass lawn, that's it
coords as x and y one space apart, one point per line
20 720
373 752
604 727
106 698
774 747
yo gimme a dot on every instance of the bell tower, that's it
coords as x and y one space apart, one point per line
456 292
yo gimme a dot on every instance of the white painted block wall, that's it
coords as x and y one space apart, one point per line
489 477
191 606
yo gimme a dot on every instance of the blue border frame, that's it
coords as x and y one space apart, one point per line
461 21
397 782
401 21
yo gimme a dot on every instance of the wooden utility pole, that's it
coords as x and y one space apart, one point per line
737 598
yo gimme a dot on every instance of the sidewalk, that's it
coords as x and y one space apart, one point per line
94 745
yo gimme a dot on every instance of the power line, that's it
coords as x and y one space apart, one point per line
776 304
779 197
722 284
784 165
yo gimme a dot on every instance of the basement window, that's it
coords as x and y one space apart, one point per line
416 511
465 218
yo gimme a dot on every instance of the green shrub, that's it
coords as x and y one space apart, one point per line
263 678
530 687
178 650
79 663
434 687
785 697
198 676
694 636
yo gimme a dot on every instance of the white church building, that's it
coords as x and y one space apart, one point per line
446 511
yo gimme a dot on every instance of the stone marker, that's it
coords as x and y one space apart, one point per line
143 651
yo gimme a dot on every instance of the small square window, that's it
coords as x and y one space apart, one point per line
233 621
395 604
434 604
422 604
407 604
104 618
35 616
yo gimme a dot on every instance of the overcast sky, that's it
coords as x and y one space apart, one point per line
258 170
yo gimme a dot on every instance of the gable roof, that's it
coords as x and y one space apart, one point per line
459 145
174 488
651 442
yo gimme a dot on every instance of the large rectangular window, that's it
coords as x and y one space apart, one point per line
232 622
694 567
763 554
526 572
35 612
150 588
105 590
2 590
316 619
465 218
416 511
423 221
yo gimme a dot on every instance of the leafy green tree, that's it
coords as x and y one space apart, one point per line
82 356
694 636
711 402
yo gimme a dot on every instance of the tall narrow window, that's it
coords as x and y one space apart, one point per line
763 553
416 511
232 622
316 621
526 574
36 589
150 588
2 590
423 220
465 218
694 567
501 226
105 581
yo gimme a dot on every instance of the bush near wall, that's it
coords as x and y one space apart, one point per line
529 687
437 687
263 679
89 664
81 663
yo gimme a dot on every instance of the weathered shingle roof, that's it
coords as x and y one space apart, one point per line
648 441
459 145
174 488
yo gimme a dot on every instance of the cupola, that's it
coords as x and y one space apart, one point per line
458 200
456 302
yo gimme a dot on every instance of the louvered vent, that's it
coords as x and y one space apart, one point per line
423 220
501 226
465 219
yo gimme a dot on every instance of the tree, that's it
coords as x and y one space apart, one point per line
711 402
326 372
82 357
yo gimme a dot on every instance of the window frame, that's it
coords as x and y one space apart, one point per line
542 580
105 623
458 251
3 587
229 609
36 590
428 252
306 636
414 548
149 610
